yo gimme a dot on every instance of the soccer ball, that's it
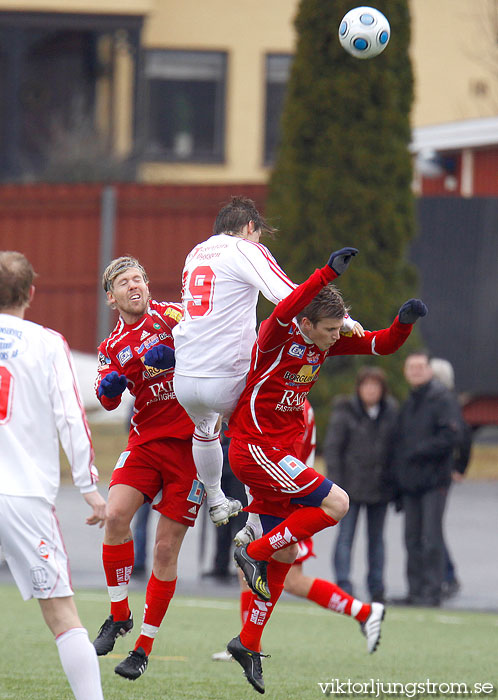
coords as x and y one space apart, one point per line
364 32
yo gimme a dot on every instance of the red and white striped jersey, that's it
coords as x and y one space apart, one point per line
285 365
221 281
40 403
157 413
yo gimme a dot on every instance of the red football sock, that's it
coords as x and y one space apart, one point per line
302 523
245 604
329 595
260 611
117 560
157 599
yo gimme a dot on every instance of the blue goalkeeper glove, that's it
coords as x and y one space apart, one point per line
412 310
340 259
160 357
112 385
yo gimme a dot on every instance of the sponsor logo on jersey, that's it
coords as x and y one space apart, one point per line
153 340
291 400
173 313
162 391
193 510
145 334
43 550
296 350
124 355
103 360
280 539
157 326
11 343
163 336
306 375
151 372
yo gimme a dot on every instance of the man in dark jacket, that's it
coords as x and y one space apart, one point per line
422 463
359 438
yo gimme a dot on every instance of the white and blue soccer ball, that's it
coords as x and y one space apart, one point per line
364 32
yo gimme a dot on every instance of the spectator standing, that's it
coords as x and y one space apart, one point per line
425 438
357 444
443 371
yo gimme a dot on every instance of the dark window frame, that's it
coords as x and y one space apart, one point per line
219 62
274 77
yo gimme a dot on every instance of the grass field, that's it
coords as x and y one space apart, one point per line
308 645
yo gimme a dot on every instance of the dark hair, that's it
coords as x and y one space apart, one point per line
236 214
376 374
419 353
328 303
16 278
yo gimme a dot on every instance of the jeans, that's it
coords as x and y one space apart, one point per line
376 514
425 544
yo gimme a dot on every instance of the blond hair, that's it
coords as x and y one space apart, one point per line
117 266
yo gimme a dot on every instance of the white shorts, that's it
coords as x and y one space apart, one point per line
207 398
33 547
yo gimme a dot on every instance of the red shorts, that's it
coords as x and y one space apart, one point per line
168 465
276 478
305 550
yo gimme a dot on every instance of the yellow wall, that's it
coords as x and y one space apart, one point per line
453 55
454 50
121 7
247 30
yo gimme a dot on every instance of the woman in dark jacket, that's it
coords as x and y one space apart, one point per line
357 447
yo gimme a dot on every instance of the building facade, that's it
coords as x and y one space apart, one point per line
168 92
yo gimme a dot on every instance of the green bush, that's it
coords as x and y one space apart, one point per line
343 175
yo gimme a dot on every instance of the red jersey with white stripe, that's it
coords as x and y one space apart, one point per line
40 404
157 413
221 281
285 365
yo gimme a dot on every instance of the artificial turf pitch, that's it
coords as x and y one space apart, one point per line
310 649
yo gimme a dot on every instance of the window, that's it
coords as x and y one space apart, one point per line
277 75
186 105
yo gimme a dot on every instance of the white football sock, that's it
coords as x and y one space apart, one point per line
208 458
79 661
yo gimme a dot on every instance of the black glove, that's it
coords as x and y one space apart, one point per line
340 259
160 357
412 310
112 385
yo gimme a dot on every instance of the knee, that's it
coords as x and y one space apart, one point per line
117 522
287 555
165 553
336 504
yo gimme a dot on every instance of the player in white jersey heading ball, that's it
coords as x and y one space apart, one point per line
221 282
39 403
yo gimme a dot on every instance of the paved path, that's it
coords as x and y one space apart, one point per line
472 535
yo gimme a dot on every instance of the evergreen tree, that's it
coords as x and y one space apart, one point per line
343 174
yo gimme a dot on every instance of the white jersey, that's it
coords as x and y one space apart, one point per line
39 404
221 281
